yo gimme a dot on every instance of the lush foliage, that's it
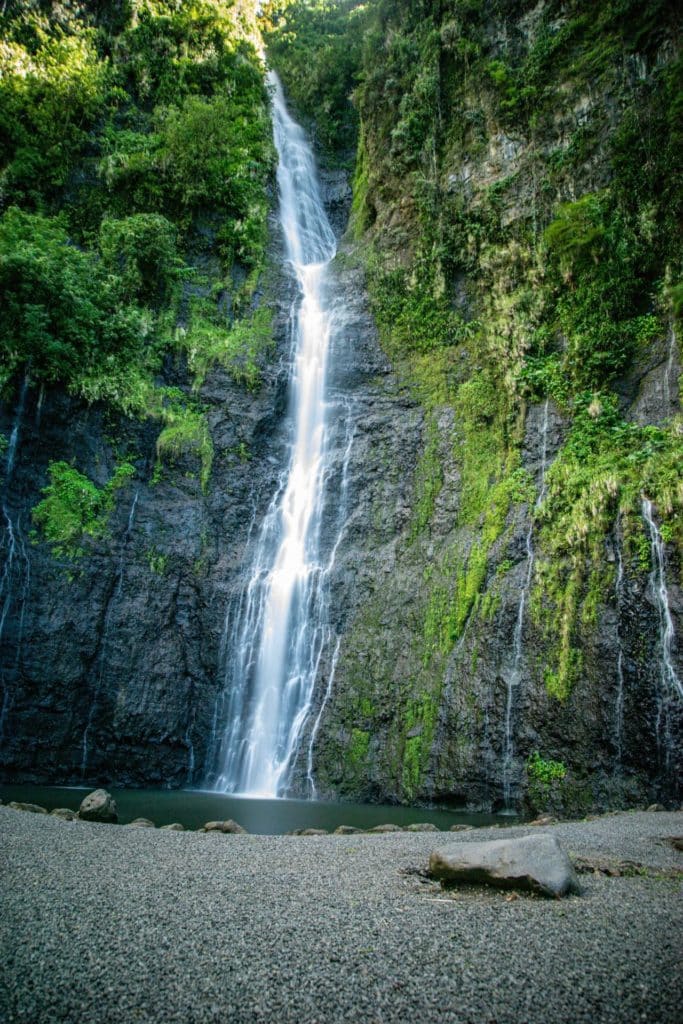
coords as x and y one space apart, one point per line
545 770
315 46
73 508
61 311
135 155
517 204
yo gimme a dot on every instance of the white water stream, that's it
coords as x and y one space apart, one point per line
514 676
15 577
671 687
619 701
278 633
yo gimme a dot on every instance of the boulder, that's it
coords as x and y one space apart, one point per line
313 832
536 863
656 807
141 823
98 806
544 819
212 826
17 805
65 813
385 828
461 828
175 826
421 826
347 830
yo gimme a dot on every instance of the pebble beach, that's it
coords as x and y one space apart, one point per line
106 924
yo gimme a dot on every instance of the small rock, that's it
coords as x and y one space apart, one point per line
65 813
656 807
313 832
461 828
421 826
175 826
16 805
347 830
536 863
141 823
544 819
98 806
231 827
385 828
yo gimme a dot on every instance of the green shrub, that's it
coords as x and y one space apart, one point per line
141 250
542 770
60 312
186 432
240 348
73 507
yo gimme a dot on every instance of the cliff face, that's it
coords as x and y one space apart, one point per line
512 646
510 359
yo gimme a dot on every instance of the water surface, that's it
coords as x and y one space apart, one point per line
192 808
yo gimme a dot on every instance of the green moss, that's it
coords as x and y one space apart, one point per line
157 561
428 480
358 746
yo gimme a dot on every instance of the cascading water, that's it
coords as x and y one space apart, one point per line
619 700
514 676
277 634
671 687
15 578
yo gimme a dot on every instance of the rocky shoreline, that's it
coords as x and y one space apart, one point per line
105 924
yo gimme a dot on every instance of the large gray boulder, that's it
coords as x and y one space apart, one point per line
98 806
536 863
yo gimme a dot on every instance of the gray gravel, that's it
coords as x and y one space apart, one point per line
100 923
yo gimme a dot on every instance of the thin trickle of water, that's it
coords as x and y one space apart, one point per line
514 676
312 791
276 635
341 527
670 376
619 700
671 687
15 579
120 569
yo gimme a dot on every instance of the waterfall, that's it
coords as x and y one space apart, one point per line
85 747
671 686
15 578
619 701
670 375
514 676
277 632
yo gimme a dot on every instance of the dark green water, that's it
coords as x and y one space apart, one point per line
193 808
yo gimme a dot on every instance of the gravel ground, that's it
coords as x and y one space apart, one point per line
100 923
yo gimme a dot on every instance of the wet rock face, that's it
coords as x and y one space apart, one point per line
111 663
110 666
